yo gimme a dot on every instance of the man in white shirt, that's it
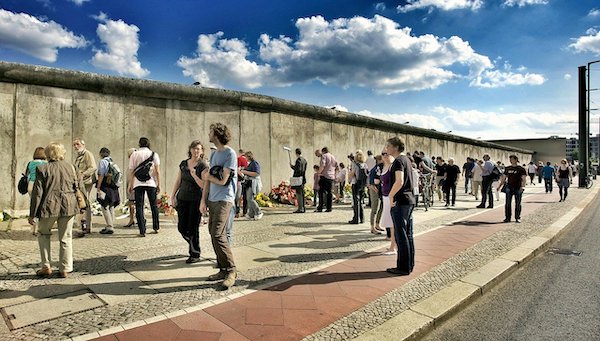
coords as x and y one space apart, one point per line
142 186
486 174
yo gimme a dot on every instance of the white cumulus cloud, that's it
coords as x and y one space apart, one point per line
498 125
445 5
373 53
567 76
35 37
523 3
587 43
121 47
79 2
594 12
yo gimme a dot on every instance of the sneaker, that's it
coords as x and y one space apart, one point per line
141 235
259 216
507 220
230 279
218 276
106 231
397 271
518 221
191 260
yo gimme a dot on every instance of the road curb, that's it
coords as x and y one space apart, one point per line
423 316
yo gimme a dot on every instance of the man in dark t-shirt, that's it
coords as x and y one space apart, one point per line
514 179
451 175
402 206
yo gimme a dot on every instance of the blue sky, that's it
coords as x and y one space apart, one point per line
479 68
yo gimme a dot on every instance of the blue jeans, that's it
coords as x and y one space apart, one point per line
403 231
139 207
518 195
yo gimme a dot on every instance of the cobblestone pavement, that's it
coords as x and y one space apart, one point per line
332 240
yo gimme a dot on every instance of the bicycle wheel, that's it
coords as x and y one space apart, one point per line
589 183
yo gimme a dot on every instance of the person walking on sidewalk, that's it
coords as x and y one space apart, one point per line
53 200
549 175
186 196
514 180
487 179
564 179
144 178
531 170
403 204
477 178
219 200
299 168
253 186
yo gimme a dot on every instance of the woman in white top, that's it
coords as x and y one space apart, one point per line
477 179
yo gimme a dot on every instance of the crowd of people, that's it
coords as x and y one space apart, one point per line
227 185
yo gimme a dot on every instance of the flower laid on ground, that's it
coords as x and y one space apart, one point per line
283 194
348 189
96 208
163 203
263 200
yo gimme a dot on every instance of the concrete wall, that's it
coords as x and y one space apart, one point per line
39 105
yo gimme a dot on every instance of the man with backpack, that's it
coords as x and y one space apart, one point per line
489 175
107 189
144 178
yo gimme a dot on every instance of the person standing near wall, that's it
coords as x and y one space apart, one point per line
39 158
186 197
253 186
467 173
130 194
450 181
514 179
299 168
326 180
107 191
358 179
144 178
53 200
375 191
477 178
486 175
240 192
403 205
371 163
440 170
86 166
218 198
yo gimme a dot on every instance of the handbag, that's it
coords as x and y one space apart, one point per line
296 181
81 202
24 181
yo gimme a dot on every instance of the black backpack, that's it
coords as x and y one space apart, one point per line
361 177
142 172
495 173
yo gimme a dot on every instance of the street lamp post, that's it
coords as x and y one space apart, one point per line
588 92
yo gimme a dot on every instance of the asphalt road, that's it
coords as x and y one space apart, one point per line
551 297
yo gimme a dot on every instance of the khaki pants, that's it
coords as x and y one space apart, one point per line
217 222
65 251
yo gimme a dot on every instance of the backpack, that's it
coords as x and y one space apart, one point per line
361 177
23 184
495 173
114 176
142 172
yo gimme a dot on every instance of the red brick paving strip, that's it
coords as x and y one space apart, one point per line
303 306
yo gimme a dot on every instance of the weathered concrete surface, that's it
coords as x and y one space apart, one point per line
39 105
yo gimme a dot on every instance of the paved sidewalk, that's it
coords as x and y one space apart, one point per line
302 276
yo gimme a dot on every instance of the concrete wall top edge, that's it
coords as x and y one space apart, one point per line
86 81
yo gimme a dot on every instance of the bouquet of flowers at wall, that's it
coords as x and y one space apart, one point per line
309 194
283 194
164 206
348 190
263 200
96 208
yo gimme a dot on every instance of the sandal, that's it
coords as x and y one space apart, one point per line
130 224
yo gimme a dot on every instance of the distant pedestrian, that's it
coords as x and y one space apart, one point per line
486 174
540 171
253 185
549 176
403 205
39 158
531 170
186 197
327 173
107 191
375 190
299 168
450 181
219 200
241 206
440 170
564 178
144 179
340 179
358 178
477 178
514 180
86 167
371 163
130 195
316 177
467 173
